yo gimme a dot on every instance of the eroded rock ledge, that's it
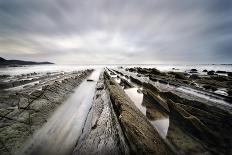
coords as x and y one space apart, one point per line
104 135
31 111
140 134
209 124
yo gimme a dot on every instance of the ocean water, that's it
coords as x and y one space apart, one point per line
183 68
44 68
66 68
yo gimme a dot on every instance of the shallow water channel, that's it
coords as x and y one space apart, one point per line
60 134
160 121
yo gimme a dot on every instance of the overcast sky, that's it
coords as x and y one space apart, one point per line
117 31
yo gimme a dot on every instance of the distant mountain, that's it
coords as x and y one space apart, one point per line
4 62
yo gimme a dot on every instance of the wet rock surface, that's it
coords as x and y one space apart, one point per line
23 112
18 80
104 135
133 111
211 82
195 126
141 136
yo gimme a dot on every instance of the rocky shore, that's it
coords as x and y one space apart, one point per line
103 135
219 82
133 111
141 136
208 124
23 113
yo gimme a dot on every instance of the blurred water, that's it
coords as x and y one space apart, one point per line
160 122
56 68
60 134
45 68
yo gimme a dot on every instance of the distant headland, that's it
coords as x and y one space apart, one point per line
4 62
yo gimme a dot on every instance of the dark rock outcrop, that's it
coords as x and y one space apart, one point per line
194 76
211 72
229 74
204 70
193 70
178 75
135 80
221 72
5 62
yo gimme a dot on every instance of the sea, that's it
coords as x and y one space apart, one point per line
66 68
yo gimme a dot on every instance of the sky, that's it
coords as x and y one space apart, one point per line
117 31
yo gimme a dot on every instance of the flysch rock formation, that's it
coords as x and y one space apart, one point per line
24 113
142 138
208 124
104 135
115 124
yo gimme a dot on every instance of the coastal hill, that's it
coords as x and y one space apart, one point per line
4 62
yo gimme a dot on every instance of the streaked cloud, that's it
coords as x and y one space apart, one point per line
107 31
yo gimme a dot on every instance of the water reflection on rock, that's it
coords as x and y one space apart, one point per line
161 126
137 98
165 124
190 120
158 118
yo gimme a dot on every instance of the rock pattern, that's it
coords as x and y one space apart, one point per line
140 134
114 124
18 80
216 142
207 123
24 113
209 83
104 136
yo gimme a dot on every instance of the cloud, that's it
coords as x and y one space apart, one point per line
117 31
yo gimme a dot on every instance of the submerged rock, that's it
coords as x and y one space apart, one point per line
211 72
193 70
204 70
